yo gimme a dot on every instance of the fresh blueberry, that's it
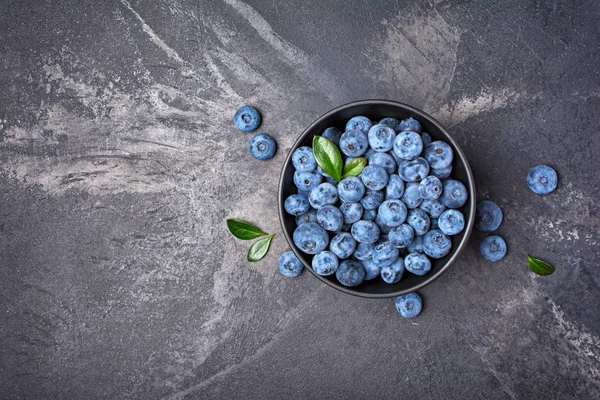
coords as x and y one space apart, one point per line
542 179
394 188
296 204
384 161
374 178
342 245
365 231
350 273
439 154
493 248
330 217
304 193
262 147
309 216
436 244
434 223
372 199
412 196
323 195
488 216
364 251
385 254
369 153
416 246
372 270
389 121
325 263
454 195
352 212
351 189
353 143
430 188
393 273
381 138
409 305
414 170
307 180
392 212
383 227
434 208
417 263
247 119
402 236
441 173
426 138
332 133
451 222
408 145
369 215
361 123
311 238
289 265
409 124
303 159
418 220
320 170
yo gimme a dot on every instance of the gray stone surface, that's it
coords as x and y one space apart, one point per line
120 163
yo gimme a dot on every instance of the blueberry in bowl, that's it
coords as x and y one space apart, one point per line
402 220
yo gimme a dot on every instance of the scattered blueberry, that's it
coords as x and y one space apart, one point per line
372 199
289 265
361 123
384 161
488 216
332 133
350 273
409 124
493 248
247 119
394 188
304 160
409 305
307 180
372 270
325 263
418 220
309 216
296 205
365 231
439 154
352 212
351 189
311 238
455 194
381 138
343 245
364 251
436 244
542 179
393 273
323 195
401 236
417 263
412 196
434 208
354 143
392 212
413 170
385 254
451 222
374 178
408 145
262 147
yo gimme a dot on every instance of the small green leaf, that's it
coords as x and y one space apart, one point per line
354 167
328 157
243 230
538 266
259 248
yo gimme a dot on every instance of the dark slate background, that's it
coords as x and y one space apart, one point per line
120 163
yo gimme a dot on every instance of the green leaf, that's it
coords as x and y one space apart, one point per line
243 230
328 157
354 167
259 248
538 266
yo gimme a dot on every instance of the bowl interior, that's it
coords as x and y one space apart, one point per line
375 110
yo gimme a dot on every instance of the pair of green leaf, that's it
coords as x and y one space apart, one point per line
329 159
538 266
245 231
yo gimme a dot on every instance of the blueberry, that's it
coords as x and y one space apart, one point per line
369 215
493 248
343 228
416 246
431 188
304 193
394 188
365 231
364 251
451 222
372 270
434 208
436 244
454 195
389 121
309 216
311 238
383 227
351 189
372 199
408 145
374 178
369 153
434 223
289 265
332 133
247 119
307 180
392 212
393 273
354 143
409 305
342 245
409 124
384 161
303 159
350 273
262 147
323 195
381 138
439 154
325 263
441 173
488 216
418 220
542 179
296 204
385 254
414 170
402 236
352 212
361 123
412 196
330 218
417 263
426 138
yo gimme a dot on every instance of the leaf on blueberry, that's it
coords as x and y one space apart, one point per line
328 157
354 167
243 230
259 248
538 266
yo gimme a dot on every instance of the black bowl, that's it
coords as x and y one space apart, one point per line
377 109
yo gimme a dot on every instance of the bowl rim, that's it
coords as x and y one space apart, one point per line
470 184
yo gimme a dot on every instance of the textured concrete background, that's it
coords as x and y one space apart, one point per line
120 164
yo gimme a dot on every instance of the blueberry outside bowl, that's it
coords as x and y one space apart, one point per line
377 109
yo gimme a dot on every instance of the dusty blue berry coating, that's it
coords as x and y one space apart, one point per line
454 195
351 189
352 212
304 160
408 145
372 270
436 244
392 212
431 188
542 179
365 231
369 215
409 305
307 180
385 254
361 123
262 147
434 208
296 205
353 143
412 196
384 161
381 138
401 236
364 251
330 217
322 195
451 222
342 245
394 188
414 170
409 124
426 138
350 273
416 246
393 273
311 238
332 133
309 216
325 263
383 227
418 220
439 154
441 173
372 199
374 178
488 216
417 263
247 118
289 265
493 248
389 121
